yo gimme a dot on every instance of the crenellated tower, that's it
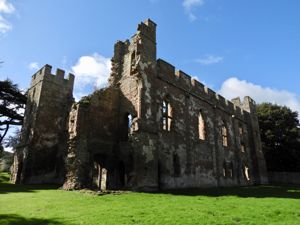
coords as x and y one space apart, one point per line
40 155
128 54
259 164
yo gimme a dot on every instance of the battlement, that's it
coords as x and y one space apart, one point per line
44 74
248 104
148 28
183 81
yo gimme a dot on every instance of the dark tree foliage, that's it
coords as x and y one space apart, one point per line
1 151
280 134
12 104
13 140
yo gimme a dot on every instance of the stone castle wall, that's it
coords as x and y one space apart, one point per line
40 155
201 161
122 135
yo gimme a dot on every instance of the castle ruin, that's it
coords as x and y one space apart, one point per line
152 128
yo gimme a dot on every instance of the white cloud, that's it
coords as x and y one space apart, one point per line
188 6
196 78
5 8
233 87
33 66
78 95
91 70
4 25
210 59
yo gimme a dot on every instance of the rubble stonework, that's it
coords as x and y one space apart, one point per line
152 128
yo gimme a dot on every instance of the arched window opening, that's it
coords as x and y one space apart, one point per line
241 131
224 135
133 62
129 120
126 127
242 147
227 169
176 165
167 115
246 173
201 127
230 170
33 93
133 56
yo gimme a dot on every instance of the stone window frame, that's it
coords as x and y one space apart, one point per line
129 122
224 134
228 169
202 134
242 141
246 172
167 114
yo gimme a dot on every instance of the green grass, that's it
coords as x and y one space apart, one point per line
44 205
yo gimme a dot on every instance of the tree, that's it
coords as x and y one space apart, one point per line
1 151
12 105
280 134
13 140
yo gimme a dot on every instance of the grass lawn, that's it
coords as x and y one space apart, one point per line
41 205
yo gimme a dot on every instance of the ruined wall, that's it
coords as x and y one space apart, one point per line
140 133
92 130
134 65
40 155
201 162
177 158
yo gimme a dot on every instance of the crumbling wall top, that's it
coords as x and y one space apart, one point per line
248 104
148 28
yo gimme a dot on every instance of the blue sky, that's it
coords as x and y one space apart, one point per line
236 47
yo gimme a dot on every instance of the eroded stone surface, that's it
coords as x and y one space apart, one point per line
117 134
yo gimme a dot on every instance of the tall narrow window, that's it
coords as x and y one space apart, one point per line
242 144
246 173
224 169
224 135
167 115
228 169
33 93
129 120
126 126
241 131
201 127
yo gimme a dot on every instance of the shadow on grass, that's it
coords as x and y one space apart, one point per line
6 187
15 188
245 192
13 219
275 191
4 177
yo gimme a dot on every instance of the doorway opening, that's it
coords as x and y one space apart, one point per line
99 177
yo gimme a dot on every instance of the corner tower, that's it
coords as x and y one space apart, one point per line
40 155
259 164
